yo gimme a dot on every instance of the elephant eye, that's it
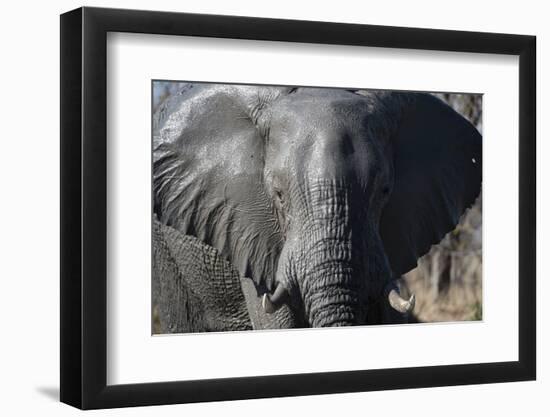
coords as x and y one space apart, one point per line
386 190
280 198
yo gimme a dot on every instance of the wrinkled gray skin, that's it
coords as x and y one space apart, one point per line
320 196
196 290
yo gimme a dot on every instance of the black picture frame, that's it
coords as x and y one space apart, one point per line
84 207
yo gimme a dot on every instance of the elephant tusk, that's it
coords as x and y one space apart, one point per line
267 305
271 304
400 304
397 302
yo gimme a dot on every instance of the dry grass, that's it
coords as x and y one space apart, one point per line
460 301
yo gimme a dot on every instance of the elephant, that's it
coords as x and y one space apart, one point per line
319 198
196 290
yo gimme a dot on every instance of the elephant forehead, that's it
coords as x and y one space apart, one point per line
320 126
313 108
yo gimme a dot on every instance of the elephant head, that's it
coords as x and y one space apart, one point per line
320 196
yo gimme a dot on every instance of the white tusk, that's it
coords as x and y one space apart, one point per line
400 304
267 305
271 303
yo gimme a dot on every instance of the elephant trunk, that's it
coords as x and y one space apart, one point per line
330 298
326 252
332 283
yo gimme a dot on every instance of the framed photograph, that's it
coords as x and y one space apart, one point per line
257 208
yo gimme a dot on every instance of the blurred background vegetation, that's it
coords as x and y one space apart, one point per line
448 280
162 90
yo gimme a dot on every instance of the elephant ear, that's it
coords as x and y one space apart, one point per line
437 176
208 163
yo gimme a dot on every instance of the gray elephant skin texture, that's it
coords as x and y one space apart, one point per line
316 199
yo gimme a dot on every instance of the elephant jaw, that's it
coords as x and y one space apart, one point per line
271 303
